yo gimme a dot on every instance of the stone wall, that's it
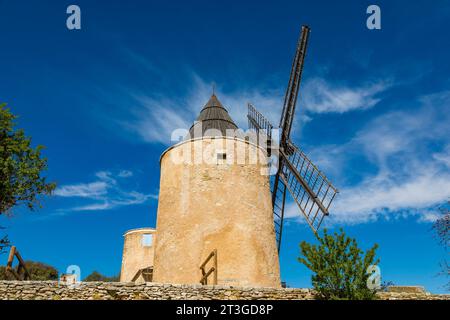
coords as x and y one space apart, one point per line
50 290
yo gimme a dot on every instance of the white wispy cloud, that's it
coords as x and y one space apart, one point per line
154 118
125 174
410 153
443 156
382 197
124 199
321 96
83 190
406 150
106 193
106 177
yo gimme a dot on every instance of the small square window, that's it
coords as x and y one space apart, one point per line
147 240
221 156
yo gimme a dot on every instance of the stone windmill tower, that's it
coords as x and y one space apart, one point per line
217 202
214 197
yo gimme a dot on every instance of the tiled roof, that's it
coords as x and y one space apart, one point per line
213 120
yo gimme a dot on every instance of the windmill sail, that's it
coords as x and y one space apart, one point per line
263 128
307 185
258 122
290 99
279 200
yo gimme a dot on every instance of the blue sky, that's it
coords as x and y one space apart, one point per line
373 113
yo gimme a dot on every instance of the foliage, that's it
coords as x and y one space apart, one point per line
339 267
38 271
3 274
96 276
41 271
4 243
385 285
441 228
21 166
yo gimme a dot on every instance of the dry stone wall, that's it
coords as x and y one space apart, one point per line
51 290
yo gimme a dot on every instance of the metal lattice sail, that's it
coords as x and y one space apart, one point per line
307 185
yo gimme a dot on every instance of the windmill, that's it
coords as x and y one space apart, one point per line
296 174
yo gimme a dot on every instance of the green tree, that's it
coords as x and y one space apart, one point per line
442 226
3 275
97 276
41 271
4 243
38 271
339 267
21 167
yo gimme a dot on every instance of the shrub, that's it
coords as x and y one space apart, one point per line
96 276
38 271
339 267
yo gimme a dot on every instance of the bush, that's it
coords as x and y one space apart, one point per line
38 271
3 275
96 276
4 244
339 267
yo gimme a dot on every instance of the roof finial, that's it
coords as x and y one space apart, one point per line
214 88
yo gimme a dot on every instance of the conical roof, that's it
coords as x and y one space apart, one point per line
213 120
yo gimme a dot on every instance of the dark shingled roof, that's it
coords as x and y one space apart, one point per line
213 119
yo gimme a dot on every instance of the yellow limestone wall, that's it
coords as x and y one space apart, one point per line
135 255
207 204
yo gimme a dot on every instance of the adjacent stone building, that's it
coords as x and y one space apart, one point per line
138 254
